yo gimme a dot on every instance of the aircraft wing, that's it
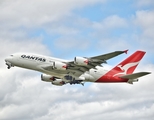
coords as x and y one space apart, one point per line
77 70
108 55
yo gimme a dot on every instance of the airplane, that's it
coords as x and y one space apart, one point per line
80 70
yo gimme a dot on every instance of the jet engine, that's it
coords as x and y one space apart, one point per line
58 82
47 78
59 66
52 79
81 61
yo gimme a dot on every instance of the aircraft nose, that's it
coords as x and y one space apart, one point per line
8 59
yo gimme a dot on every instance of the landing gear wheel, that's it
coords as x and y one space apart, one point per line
8 67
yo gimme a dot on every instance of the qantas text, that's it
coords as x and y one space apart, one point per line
33 58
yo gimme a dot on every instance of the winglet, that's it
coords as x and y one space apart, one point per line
126 51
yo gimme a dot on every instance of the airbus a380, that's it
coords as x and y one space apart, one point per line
81 69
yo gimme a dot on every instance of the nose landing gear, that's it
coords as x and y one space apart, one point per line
8 65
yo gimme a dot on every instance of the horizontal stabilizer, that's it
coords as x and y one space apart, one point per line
134 75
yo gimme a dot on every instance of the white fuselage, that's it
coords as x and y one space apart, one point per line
38 62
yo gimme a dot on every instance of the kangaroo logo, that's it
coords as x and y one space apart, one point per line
125 68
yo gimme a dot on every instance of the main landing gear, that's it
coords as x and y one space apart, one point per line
76 82
72 80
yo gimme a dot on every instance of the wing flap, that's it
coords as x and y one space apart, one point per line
135 75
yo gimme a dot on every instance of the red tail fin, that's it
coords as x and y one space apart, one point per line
128 65
125 67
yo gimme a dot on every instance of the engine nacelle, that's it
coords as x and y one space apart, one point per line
58 82
52 79
47 78
81 61
59 66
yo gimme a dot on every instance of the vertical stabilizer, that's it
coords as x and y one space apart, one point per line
129 64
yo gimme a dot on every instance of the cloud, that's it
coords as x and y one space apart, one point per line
144 20
70 43
121 44
34 13
111 22
13 85
143 3
147 25
97 33
27 45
